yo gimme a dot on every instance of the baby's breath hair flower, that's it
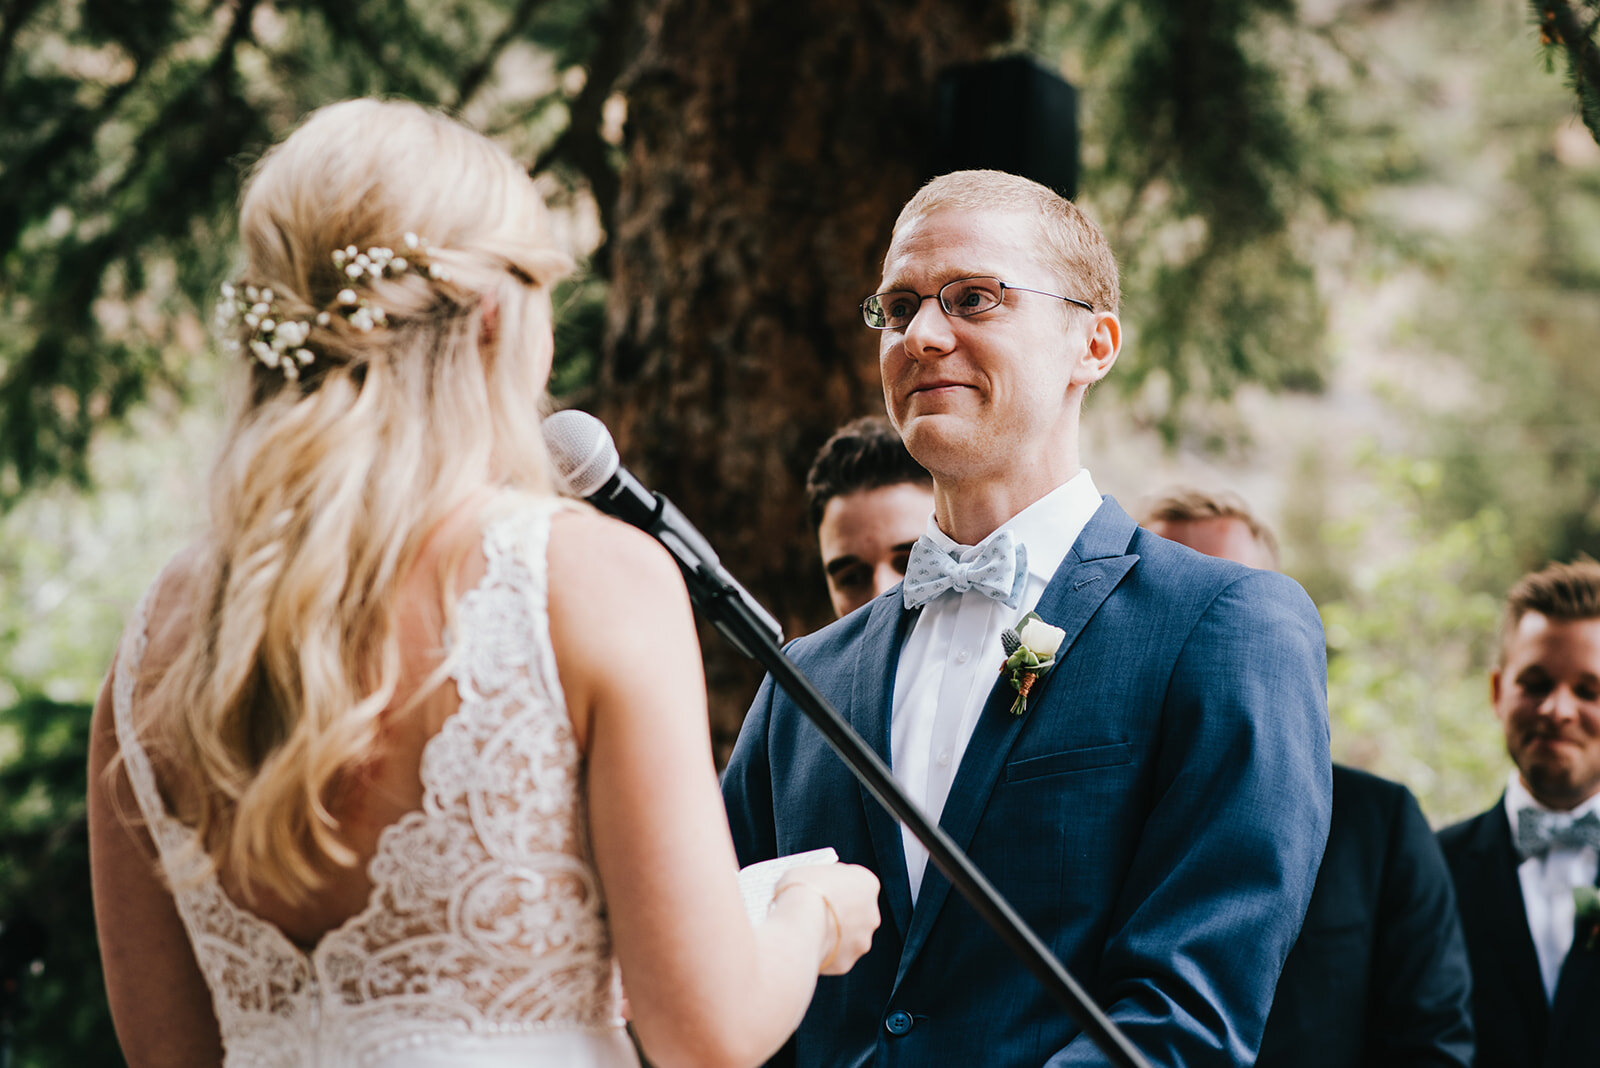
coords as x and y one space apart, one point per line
274 341
279 342
418 247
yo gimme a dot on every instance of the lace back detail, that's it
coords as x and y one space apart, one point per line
486 917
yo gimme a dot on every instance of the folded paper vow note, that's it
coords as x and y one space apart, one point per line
757 882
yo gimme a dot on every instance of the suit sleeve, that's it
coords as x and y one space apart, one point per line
1422 983
1238 816
747 783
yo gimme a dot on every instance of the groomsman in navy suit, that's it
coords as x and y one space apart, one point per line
1379 977
1157 806
1520 867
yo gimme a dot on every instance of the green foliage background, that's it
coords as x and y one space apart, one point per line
50 959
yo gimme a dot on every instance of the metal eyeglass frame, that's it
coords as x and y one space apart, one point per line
867 314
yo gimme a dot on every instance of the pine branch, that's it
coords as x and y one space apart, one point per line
347 26
74 134
581 145
68 375
218 75
12 17
1560 24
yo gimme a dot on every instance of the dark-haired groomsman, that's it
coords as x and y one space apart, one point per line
869 501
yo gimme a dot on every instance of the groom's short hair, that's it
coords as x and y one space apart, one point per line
864 454
1072 244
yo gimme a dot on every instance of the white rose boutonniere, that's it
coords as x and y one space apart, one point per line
1030 652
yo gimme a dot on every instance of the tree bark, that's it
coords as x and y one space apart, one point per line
768 149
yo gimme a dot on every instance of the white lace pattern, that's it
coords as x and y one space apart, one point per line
485 921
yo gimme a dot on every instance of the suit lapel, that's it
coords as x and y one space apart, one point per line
871 698
1509 922
1080 585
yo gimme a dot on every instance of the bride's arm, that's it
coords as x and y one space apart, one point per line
159 1000
704 986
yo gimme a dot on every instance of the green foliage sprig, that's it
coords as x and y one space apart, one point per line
1030 649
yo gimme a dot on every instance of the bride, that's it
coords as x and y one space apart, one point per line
406 758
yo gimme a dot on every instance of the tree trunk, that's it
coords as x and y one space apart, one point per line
769 147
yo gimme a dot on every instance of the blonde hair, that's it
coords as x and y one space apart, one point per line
1073 245
327 487
1188 505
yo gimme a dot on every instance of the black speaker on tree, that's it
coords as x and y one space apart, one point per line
1008 114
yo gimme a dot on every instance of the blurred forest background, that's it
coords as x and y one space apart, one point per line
1361 248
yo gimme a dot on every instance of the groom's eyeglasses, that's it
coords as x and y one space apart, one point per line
962 298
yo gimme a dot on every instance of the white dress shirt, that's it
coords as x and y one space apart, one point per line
952 657
1547 884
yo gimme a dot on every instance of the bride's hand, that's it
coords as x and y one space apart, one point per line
846 897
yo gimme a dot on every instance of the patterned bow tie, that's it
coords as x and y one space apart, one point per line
1539 832
1000 570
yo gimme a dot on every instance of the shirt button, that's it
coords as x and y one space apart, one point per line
944 759
963 656
897 1022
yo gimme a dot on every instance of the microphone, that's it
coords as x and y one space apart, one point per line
586 461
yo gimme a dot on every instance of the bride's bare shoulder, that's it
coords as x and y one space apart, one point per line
187 569
177 595
596 556
616 598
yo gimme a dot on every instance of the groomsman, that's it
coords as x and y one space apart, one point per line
1151 794
1379 975
1522 867
868 500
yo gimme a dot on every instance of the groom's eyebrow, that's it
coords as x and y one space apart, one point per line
939 268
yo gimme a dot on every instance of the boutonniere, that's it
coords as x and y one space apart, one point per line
1030 652
1586 902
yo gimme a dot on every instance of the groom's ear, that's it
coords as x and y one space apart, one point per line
1100 351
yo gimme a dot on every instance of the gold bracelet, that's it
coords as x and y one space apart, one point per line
838 929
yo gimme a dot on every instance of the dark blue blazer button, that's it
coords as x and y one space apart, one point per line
897 1023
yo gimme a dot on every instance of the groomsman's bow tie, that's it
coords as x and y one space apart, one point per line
1539 832
1000 570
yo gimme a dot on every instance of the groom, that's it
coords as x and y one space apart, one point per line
1157 811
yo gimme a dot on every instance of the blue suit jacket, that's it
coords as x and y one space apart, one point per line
1156 816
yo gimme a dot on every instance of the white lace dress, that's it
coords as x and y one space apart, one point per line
484 943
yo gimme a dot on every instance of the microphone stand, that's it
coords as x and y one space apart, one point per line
738 622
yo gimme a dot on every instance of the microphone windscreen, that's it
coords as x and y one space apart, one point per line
581 448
